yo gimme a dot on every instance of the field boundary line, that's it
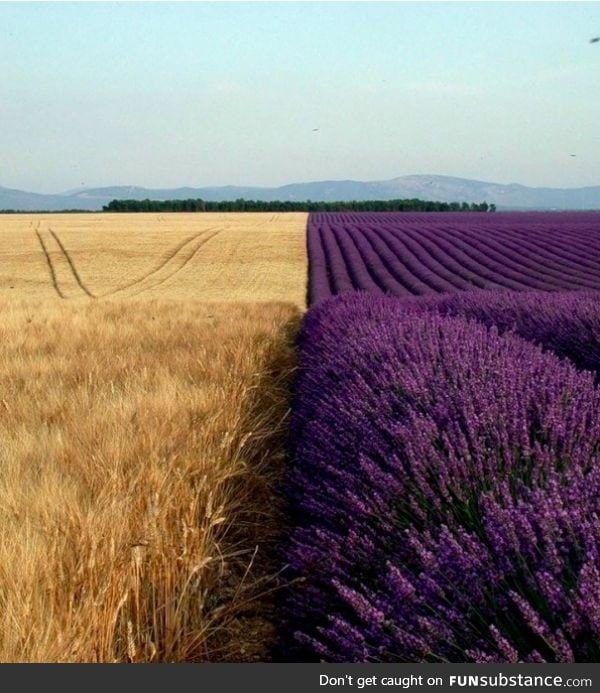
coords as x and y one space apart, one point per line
71 264
50 265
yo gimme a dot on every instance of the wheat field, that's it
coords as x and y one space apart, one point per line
212 256
145 370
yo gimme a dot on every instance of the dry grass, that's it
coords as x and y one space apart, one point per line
139 444
215 257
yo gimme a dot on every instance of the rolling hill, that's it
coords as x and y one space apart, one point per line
429 187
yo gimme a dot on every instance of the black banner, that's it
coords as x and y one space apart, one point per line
302 678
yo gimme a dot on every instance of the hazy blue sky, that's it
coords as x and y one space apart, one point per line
168 94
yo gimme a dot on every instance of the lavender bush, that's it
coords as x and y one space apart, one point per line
444 494
566 322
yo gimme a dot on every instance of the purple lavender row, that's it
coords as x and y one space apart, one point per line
444 492
484 272
518 260
573 241
418 254
558 258
444 256
523 259
318 272
550 240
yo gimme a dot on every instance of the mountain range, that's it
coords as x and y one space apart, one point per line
427 187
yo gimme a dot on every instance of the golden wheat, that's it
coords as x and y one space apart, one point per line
139 444
141 432
213 256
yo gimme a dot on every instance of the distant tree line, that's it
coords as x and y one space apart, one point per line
241 205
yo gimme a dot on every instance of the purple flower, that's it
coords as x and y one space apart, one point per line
444 491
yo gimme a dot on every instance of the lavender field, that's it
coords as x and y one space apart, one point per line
413 254
444 491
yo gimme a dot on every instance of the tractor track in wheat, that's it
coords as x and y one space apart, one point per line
173 259
166 260
53 278
173 263
71 264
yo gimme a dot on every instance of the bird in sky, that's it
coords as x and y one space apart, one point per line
315 129
572 154
596 39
